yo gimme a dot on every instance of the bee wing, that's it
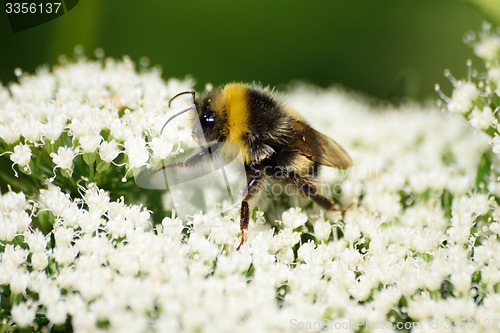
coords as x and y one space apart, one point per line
320 148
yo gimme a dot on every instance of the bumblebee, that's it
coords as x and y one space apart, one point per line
275 141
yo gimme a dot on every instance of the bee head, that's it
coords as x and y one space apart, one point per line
211 118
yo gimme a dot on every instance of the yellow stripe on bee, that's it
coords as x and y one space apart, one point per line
236 98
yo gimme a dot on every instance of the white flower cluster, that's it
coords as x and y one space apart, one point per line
419 245
477 97
101 108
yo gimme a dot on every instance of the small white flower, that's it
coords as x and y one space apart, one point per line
54 199
65 255
481 203
463 96
19 281
322 230
21 155
56 123
161 148
285 239
63 158
495 227
171 227
488 48
12 201
10 133
39 260
206 250
135 148
47 293
352 232
23 314
12 256
119 130
167 324
31 129
90 142
71 214
285 256
36 241
63 236
306 252
489 274
494 75
77 128
482 119
461 281
57 312
108 150
496 144
8 228
96 199
22 219
420 307
84 320
293 218
89 222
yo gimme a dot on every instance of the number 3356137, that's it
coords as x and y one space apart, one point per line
32 8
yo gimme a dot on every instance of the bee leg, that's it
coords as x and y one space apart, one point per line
244 218
253 188
193 160
307 187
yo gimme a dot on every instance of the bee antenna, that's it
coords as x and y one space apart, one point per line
192 107
183 93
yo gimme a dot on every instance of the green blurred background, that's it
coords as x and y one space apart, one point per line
391 49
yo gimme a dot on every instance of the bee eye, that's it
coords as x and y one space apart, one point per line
207 119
